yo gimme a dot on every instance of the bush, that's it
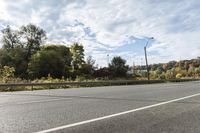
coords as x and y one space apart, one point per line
7 73
80 78
178 76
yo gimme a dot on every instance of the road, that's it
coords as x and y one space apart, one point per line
155 108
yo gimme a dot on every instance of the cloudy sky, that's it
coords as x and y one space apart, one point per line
114 27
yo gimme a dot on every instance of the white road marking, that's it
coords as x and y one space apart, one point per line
40 101
117 114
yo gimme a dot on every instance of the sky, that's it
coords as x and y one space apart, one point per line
114 27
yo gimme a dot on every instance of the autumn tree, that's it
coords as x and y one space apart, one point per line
164 67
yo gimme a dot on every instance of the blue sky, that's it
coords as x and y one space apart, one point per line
114 27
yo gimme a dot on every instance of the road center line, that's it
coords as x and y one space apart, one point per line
40 101
117 114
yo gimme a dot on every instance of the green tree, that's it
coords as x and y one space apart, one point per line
33 37
77 52
102 73
60 49
44 63
10 38
5 58
64 52
153 67
88 68
118 67
171 64
14 58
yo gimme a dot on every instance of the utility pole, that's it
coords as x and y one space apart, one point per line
141 66
108 60
145 52
133 69
147 66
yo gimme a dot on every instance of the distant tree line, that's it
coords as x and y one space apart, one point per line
171 70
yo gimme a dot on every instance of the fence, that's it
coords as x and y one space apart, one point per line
97 83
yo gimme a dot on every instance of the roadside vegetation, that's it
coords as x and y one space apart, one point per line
25 58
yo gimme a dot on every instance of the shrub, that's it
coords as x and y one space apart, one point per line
178 76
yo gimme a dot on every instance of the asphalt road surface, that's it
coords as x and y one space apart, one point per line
155 108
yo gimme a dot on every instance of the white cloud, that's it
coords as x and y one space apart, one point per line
104 26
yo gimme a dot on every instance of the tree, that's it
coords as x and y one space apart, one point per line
154 67
43 63
154 75
10 38
77 52
5 58
171 64
191 70
90 61
164 67
14 58
60 49
102 73
197 71
88 68
162 76
159 70
33 37
169 74
186 66
118 67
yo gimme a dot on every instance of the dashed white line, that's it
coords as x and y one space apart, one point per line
117 114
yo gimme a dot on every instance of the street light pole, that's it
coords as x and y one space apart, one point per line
145 52
108 60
